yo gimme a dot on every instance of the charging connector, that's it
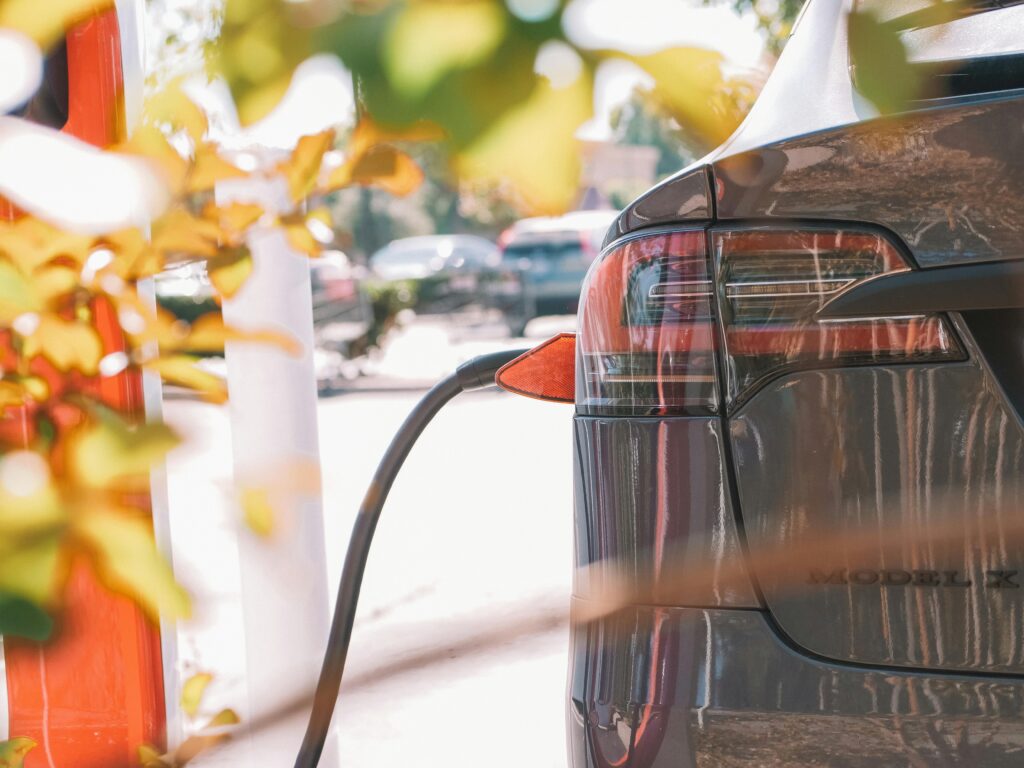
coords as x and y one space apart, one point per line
477 373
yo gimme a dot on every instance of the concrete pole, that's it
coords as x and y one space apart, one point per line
273 410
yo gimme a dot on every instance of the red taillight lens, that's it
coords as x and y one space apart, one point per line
647 323
646 340
771 284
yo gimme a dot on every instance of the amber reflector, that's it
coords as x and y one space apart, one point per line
546 372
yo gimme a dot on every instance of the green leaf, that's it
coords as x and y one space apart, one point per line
128 561
114 454
22 618
881 70
13 751
427 40
30 567
535 147
192 691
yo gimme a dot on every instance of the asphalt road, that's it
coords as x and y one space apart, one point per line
459 652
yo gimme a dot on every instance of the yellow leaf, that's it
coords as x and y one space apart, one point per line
428 40
171 106
148 142
150 757
368 133
29 500
113 454
182 370
234 218
257 511
47 26
127 560
229 270
302 169
16 294
13 394
209 334
13 751
134 255
30 243
224 718
180 233
381 166
689 83
298 234
67 344
534 146
209 168
30 566
52 282
192 691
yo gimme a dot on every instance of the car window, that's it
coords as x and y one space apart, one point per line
544 250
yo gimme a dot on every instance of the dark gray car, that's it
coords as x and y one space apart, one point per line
799 443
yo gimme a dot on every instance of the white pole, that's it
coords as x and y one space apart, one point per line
273 410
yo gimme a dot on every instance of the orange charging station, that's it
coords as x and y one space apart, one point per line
93 694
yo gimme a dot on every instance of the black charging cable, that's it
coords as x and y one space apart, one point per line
478 373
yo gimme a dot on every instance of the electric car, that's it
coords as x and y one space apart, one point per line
798 433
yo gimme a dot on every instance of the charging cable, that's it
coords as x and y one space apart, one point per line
478 373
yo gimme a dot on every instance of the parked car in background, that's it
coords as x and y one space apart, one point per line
543 263
447 271
800 424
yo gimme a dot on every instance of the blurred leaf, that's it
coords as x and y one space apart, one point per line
30 243
209 334
426 40
257 511
22 618
224 718
229 269
182 370
298 234
30 567
150 757
29 500
128 561
172 107
302 169
113 454
535 147
209 168
381 166
16 294
149 142
690 85
13 751
180 233
192 691
67 344
234 218
881 70
260 46
47 27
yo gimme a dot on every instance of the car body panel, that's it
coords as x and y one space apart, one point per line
900 450
717 688
652 505
948 182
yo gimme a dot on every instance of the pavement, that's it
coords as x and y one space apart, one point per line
459 655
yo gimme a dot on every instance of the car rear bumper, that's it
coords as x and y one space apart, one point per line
658 687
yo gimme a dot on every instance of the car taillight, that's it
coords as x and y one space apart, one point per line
771 284
648 341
